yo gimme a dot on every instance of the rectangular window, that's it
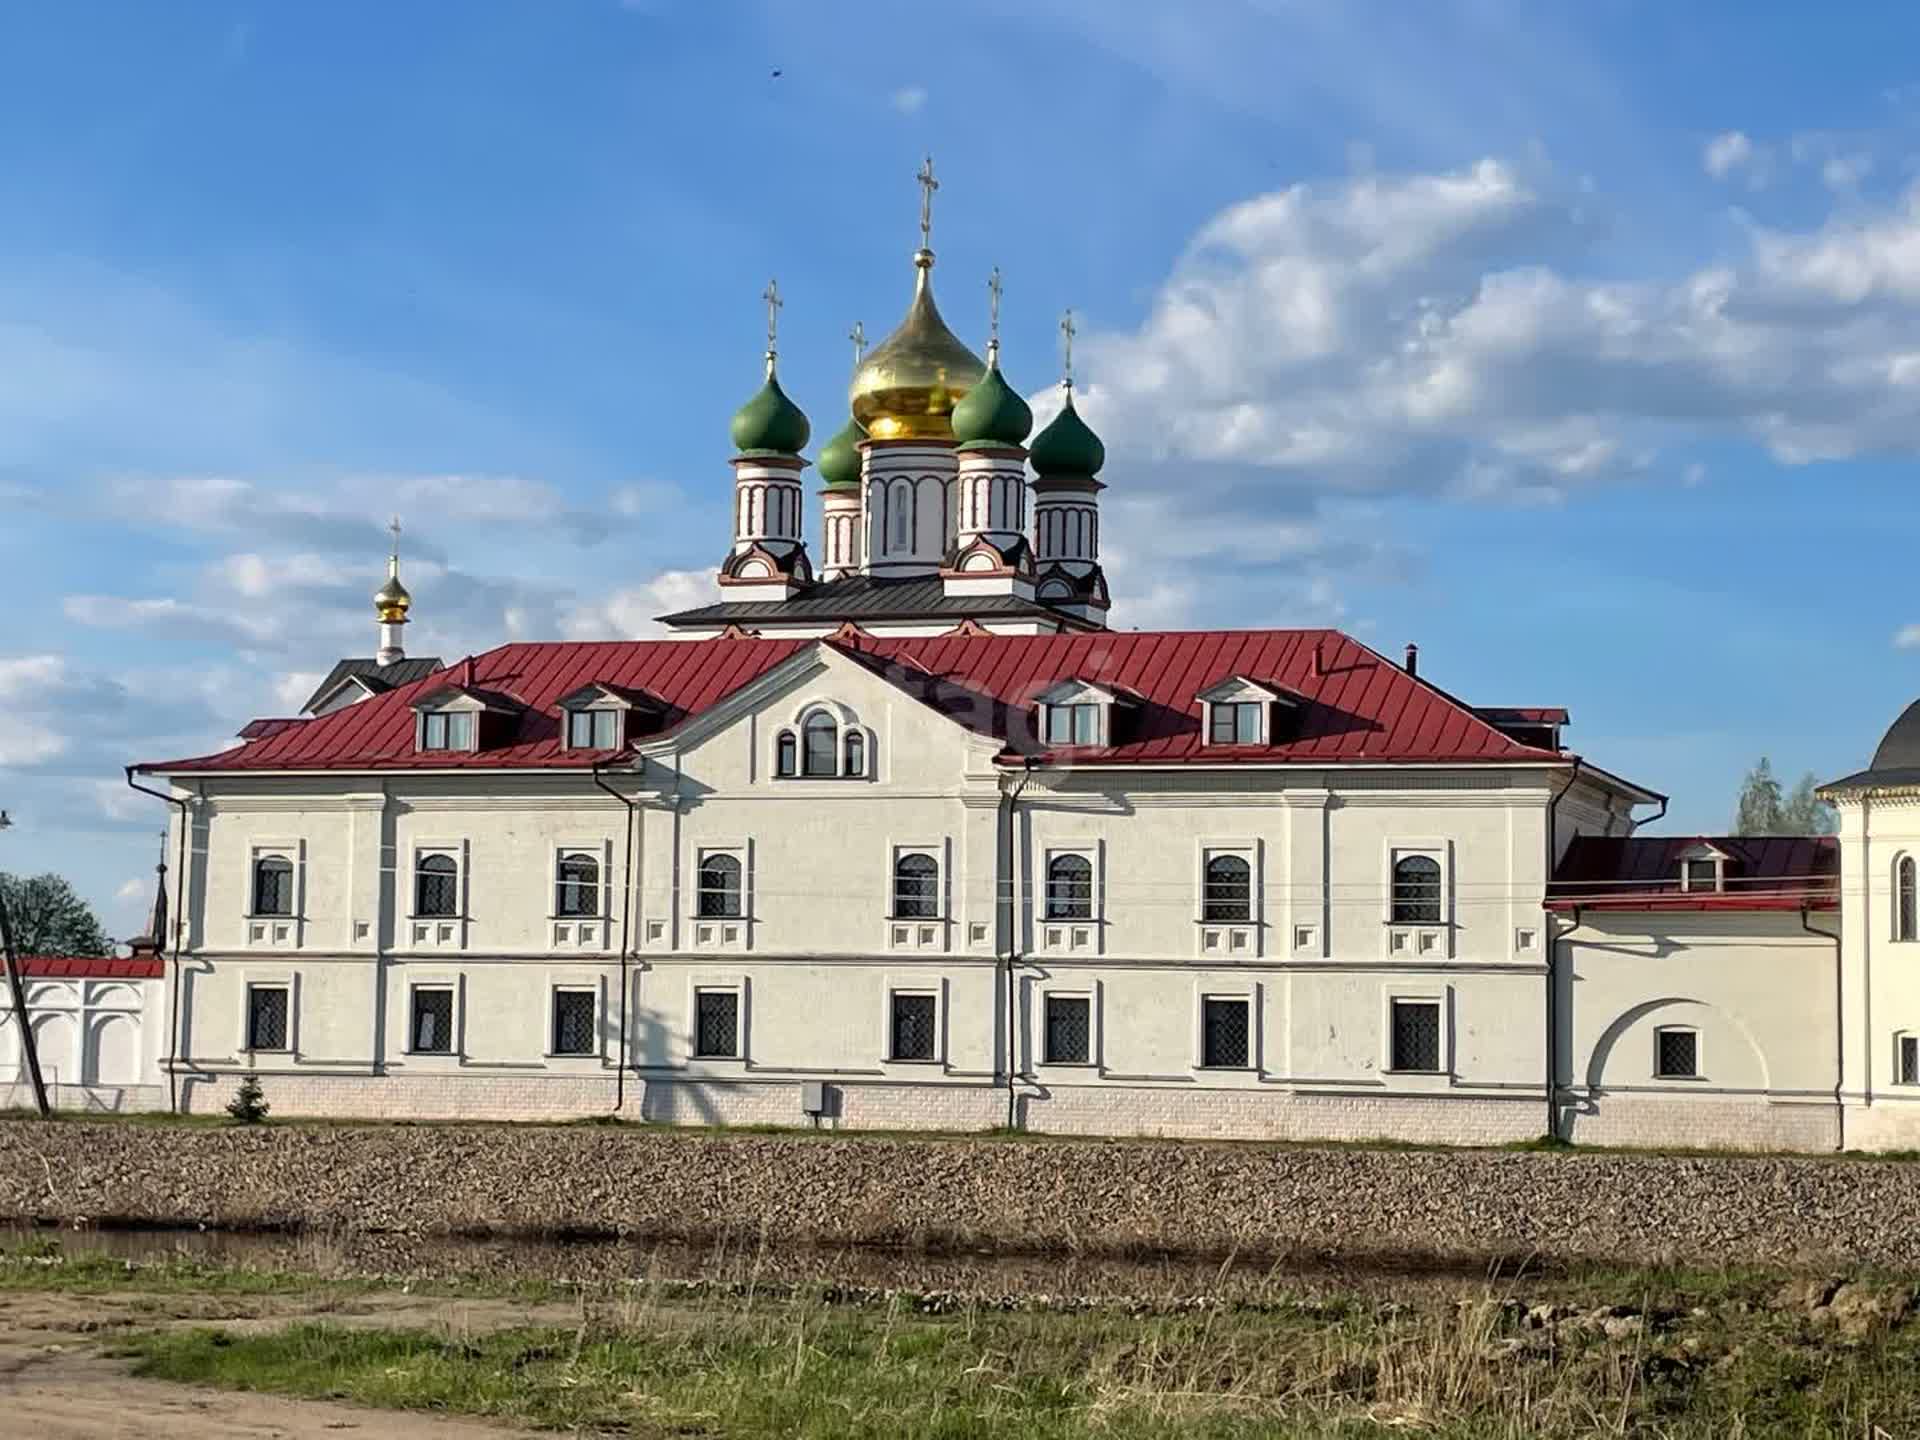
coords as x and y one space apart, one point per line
1703 875
1069 1037
573 1022
267 1010
911 1027
1910 1059
1236 724
1676 1054
273 885
1225 1033
576 886
716 1024
1073 724
1416 1035
446 730
432 1030
592 729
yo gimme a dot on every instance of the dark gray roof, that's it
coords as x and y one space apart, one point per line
864 597
377 677
1895 763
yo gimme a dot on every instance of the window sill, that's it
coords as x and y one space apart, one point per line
1687 1079
437 917
1428 1074
1419 924
571 1055
250 1051
917 919
262 915
915 1060
1226 1069
571 919
736 1059
1067 1065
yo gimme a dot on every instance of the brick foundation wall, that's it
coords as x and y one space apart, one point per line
1095 1196
1705 1124
103 1099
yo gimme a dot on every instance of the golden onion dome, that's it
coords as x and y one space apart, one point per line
908 384
391 601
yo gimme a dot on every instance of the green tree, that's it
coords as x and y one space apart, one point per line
49 917
1764 809
249 1104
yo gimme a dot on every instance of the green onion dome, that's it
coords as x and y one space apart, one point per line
992 413
770 423
839 461
1066 446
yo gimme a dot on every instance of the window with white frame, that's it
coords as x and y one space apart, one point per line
716 1024
430 1023
1078 711
272 886
576 885
1417 892
575 1020
1676 1053
916 886
1226 1032
1700 874
819 746
912 1025
436 885
1237 723
1906 1058
721 887
786 755
1903 899
1073 724
1414 1042
1239 711
1067 1030
593 729
822 747
447 730
1069 886
269 1016
1227 889
855 752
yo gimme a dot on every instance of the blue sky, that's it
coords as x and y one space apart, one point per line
1576 343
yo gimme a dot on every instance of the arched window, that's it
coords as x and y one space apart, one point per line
916 887
1903 890
273 885
436 886
1416 890
720 887
856 754
901 506
819 745
1229 887
1069 888
786 756
577 887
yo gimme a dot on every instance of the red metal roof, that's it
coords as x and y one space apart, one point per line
92 967
272 725
1777 872
1359 708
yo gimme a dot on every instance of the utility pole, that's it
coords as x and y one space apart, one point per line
29 1045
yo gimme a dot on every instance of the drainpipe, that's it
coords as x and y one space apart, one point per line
179 918
1633 825
1553 951
1009 800
626 917
1839 1027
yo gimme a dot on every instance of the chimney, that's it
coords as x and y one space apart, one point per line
1319 659
1413 659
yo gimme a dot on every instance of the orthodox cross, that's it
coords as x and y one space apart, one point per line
993 312
858 335
772 296
393 529
1067 332
927 186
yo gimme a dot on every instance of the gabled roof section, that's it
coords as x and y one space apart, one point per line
1070 687
1240 687
599 692
492 701
369 675
1776 872
1357 707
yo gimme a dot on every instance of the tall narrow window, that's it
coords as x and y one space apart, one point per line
1416 1035
720 887
432 1030
916 887
1069 888
573 1022
1904 900
1229 891
786 755
267 1008
716 1024
1226 1033
1909 1059
819 745
577 887
273 885
911 1033
902 519
856 754
1416 890
1069 1034
436 886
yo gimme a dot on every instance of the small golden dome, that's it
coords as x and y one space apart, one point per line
391 601
908 384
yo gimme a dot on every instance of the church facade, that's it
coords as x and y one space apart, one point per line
898 834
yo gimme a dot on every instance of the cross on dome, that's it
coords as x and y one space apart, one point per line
1067 332
858 335
772 296
993 315
927 186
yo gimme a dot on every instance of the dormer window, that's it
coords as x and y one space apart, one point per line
1703 875
603 717
1703 870
447 730
1239 711
593 729
1073 724
1081 713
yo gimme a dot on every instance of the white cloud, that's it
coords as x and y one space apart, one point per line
131 890
1734 153
633 613
909 99
1907 637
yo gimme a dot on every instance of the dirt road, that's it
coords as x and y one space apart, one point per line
57 1382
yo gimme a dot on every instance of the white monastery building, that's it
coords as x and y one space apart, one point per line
898 834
